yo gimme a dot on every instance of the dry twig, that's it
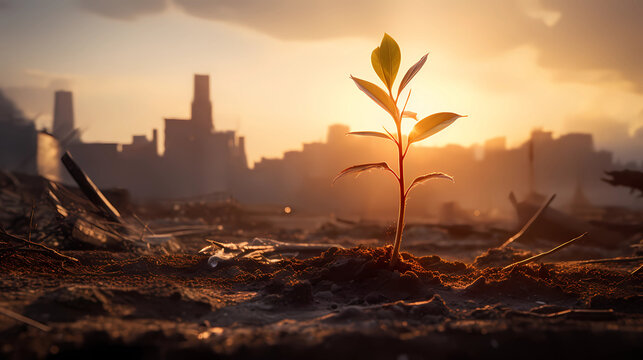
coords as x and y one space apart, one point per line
24 319
44 247
610 260
542 255
637 270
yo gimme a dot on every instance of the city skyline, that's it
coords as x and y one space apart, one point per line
286 77
636 139
202 161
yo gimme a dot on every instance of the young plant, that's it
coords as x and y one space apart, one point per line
386 62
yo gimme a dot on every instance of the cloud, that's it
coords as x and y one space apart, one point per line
573 37
326 19
582 40
595 35
123 9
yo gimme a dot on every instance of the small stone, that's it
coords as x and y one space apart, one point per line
435 306
324 295
300 293
374 298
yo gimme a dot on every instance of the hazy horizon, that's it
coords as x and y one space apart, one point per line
282 67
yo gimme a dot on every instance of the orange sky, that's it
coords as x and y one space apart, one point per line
280 69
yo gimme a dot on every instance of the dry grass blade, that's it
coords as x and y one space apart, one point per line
610 260
636 271
144 224
44 247
33 210
529 223
542 255
24 319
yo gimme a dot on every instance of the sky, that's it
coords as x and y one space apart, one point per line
280 68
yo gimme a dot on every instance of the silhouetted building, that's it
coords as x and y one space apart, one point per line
201 104
203 161
63 125
484 176
197 160
200 162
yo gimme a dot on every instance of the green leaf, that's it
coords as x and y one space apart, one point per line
410 115
432 124
390 57
370 133
377 65
378 95
411 73
357 169
434 175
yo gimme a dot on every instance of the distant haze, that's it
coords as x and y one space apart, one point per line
280 68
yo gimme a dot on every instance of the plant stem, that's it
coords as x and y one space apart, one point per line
395 255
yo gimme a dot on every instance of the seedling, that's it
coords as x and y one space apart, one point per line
386 62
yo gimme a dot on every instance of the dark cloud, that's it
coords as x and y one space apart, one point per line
588 34
35 101
8 110
123 9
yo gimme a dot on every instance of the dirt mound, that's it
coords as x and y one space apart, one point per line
517 283
500 257
67 304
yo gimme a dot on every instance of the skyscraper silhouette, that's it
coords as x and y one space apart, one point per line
201 105
63 127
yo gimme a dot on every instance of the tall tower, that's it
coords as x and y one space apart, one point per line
63 126
201 105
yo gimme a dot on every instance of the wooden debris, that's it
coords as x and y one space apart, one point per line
628 178
90 190
542 255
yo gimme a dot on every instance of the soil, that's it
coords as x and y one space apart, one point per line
343 304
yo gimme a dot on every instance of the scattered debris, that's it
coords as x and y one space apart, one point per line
629 178
264 250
